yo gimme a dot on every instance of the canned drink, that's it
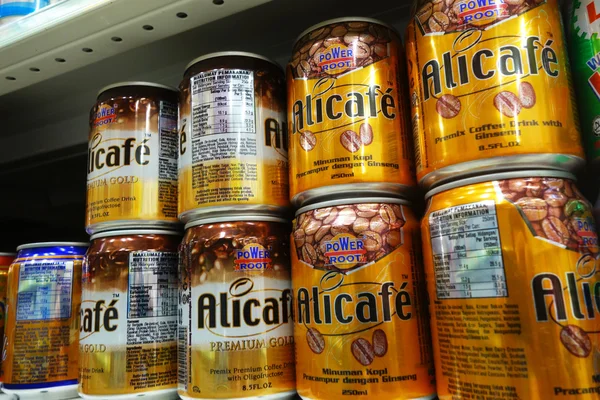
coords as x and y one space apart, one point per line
132 158
235 329
361 324
490 89
232 142
584 45
347 111
511 261
41 335
127 342
5 260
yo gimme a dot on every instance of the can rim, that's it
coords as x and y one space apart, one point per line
344 19
357 200
218 54
136 83
500 176
52 244
125 232
7 254
233 218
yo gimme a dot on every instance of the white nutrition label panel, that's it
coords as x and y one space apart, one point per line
223 102
467 253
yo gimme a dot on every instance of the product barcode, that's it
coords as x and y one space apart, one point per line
182 355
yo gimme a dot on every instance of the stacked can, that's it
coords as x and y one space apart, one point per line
509 242
128 317
361 324
235 302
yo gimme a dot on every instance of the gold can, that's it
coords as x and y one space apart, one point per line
361 324
41 335
132 157
511 261
6 260
128 331
347 112
232 142
235 329
490 89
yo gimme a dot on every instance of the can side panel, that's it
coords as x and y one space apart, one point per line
129 316
501 90
237 153
132 160
42 330
355 321
347 111
507 274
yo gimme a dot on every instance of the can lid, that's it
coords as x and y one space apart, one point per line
345 19
7 254
126 232
501 176
235 217
52 244
136 83
228 54
355 200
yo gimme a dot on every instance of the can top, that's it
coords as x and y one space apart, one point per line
52 244
344 19
356 200
7 254
235 217
136 83
501 176
126 232
228 54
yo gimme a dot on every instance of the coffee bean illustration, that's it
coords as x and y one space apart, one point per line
380 344
351 141
366 134
535 209
576 340
508 104
315 340
527 94
308 140
363 351
448 106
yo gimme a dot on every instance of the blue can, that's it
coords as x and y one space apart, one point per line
41 336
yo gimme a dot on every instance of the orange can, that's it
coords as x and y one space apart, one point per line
5 260
361 324
347 112
490 89
41 335
511 262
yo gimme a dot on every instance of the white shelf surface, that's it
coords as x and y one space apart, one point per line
48 113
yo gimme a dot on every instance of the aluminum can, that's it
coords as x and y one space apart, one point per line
347 111
233 151
490 89
5 260
127 341
132 158
41 337
511 261
361 324
235 329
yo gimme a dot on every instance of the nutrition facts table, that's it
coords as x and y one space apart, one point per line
223 102
467 253
45 290
152 285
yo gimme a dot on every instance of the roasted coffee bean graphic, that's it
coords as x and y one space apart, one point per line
363 351
553 207
507 103
527 94
378 226
366 134
351 141
368 41
315 340
380 344
439 21
576 340
448 106
308 140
